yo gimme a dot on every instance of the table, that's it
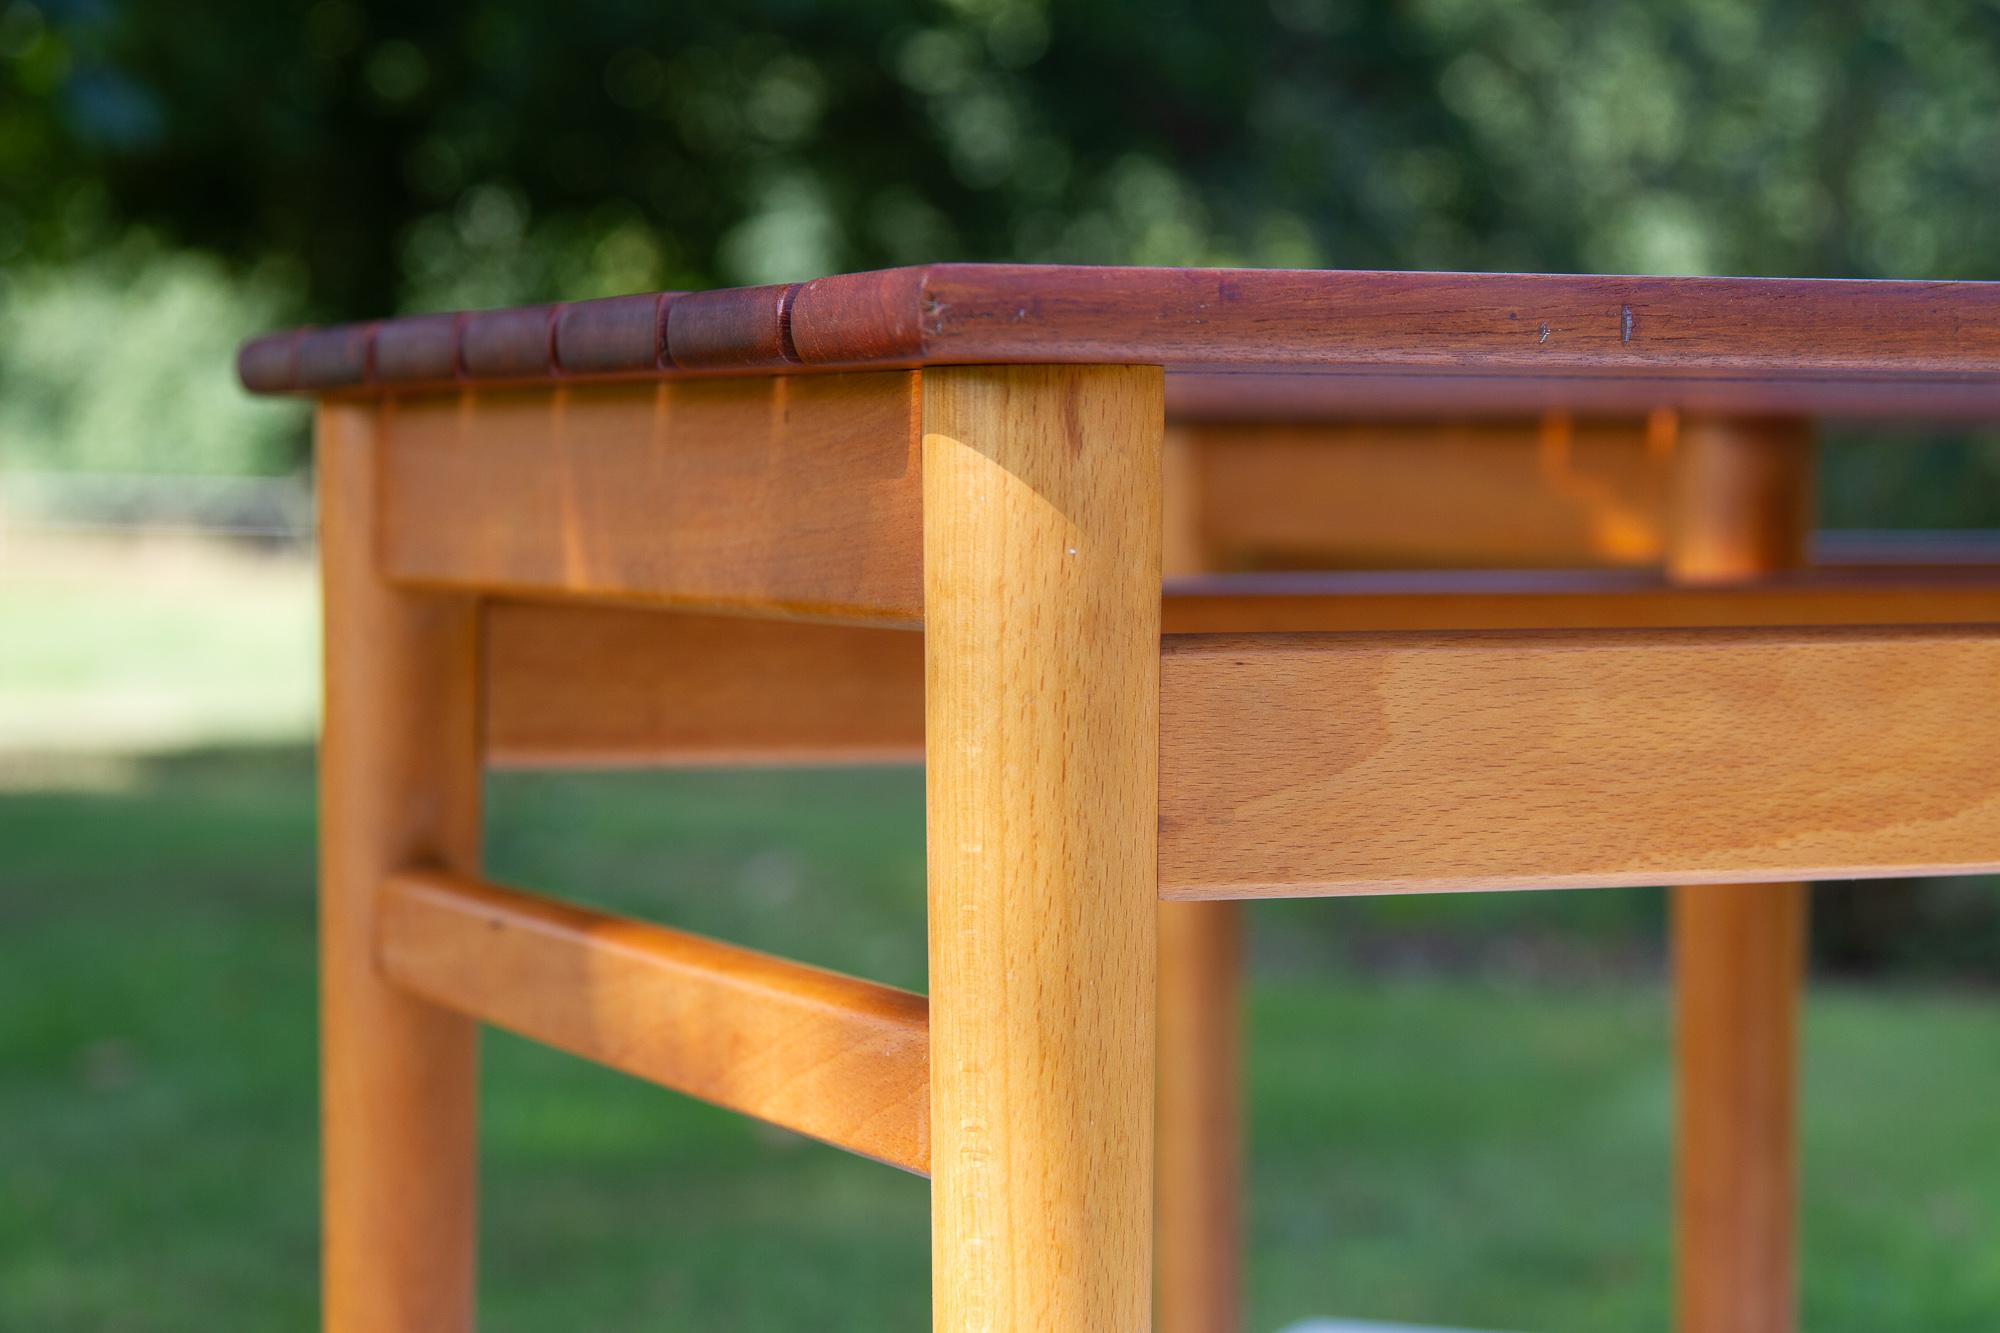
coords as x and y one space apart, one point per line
697 528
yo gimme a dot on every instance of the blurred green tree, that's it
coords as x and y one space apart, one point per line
349 157
423 153
174 176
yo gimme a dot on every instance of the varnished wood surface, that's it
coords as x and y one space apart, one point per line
1577 599
1198 1213
399 785
1739 965
1629 343
1279 395
1355 764
781 496
1743 496
1198 1112
832 1057
1525 493
1743 499
1041 579
572 684
1464 322
575 684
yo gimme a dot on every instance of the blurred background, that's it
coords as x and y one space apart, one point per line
1459 1106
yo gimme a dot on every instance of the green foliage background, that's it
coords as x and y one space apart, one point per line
436 153
342 159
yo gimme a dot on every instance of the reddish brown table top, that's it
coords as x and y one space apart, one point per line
1252 343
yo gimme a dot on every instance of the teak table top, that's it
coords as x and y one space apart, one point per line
1242 343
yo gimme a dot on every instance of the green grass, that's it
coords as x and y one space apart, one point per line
117 649
1480 1152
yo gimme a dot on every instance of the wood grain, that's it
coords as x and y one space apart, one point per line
586 684
1739 964
1041 577
1198 1118
792 497
736 328
399 785
1463 322
1742 509
1581 599
1521 494
1198 1195
1346 343
834 1058
1303 394
573 685
615 335
507 344
1301 765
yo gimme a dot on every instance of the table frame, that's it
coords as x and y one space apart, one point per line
1015 513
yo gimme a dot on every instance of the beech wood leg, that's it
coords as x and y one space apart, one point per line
1197 1208
1741 510
399 786
1198 1195
1042 616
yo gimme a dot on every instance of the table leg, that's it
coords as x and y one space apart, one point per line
1041 622
1739 959
399 786
1741 510
1197 1207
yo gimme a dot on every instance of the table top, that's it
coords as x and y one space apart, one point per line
1241 343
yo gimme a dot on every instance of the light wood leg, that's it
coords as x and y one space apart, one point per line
1739 949
1197 1211
1042 605
1197 1206
1739 958
399 786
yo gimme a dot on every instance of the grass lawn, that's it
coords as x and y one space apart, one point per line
1445 1130
1479 1152
107 648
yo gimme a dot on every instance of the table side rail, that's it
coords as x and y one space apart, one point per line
1305 765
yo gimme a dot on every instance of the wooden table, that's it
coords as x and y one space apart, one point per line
697 528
